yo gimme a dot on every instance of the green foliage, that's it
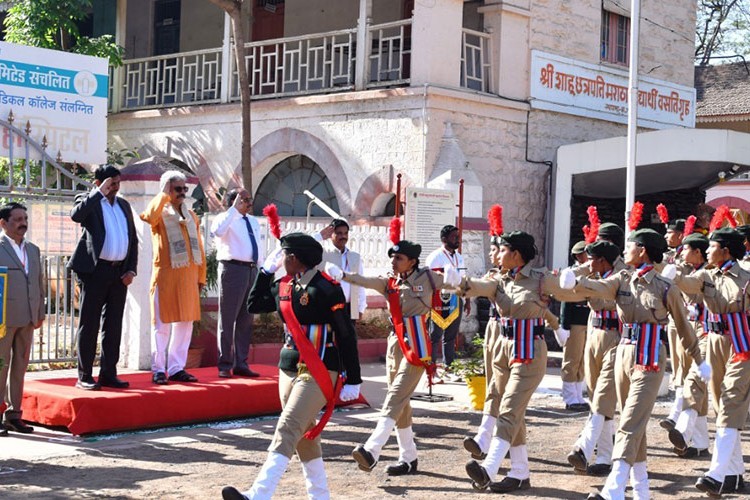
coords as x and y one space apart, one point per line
53 24
119 156
472 365
212 271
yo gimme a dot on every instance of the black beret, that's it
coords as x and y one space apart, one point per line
517 240
744 230
605 249
406 247
447 230
305 245
696 240
727 236
650 239
578 248
677 225
610 230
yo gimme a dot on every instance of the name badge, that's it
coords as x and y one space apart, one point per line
417 288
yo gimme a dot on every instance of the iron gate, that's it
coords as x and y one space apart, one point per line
29 175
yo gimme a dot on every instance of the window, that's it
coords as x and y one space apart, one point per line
615 38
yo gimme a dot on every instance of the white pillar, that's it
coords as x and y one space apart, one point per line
436 43
362 66
227 54
117 74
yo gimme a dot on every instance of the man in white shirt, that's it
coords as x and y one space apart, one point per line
446 311
237 238
336 252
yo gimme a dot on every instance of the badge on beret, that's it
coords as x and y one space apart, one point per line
304 299
395 248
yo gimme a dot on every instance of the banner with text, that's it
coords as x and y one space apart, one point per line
64 99
427 211
597 91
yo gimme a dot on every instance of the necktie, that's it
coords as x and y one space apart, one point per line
252 238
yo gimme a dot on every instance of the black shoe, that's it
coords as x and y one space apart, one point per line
160 378
509 484
691 452
232 493
88 384
115 383
364 458
17 425
402 468
577 407
667 423
577 459
709 485
245 372
480 480
472 447
225 374
677 439
182 376
3 433
733 484
599 470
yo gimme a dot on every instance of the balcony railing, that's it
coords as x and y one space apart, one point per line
309 64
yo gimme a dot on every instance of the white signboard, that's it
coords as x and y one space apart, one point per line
427 211
62 95
597 91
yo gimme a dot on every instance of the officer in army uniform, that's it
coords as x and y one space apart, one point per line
318 347
644 302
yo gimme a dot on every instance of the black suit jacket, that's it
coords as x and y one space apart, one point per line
88 213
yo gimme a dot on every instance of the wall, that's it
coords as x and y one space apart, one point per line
201 25
140 29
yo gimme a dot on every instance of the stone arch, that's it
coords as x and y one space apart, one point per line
280 144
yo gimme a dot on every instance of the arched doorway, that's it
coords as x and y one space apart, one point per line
285 185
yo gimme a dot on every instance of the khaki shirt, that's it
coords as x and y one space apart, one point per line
415 291
650 298
723 292
604 304
690 298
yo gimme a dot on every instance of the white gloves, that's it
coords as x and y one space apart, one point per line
567 279
561 335
349 392
704 370
451 276
669 271
334 272
274 261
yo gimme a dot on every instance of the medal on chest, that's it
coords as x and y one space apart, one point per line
304 299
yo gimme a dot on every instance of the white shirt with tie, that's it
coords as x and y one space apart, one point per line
232 239
116 241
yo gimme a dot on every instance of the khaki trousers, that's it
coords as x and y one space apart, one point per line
491 397
735 388
718 354
516 383
695 390
637 391
678 357
572 365
599 364
301 401
403 378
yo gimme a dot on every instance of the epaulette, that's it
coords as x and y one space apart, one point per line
537 272
329 278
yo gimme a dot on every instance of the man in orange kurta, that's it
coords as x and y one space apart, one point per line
178 275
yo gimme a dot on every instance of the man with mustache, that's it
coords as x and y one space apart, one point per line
24 311
178 276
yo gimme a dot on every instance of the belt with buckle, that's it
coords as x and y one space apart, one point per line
113 263
606 323
238 263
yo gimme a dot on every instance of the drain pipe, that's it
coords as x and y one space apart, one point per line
551 171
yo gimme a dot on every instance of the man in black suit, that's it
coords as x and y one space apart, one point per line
105 260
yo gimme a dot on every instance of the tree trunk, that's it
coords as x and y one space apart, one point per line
238 33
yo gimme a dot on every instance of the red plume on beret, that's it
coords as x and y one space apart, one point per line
495 218
689 225
636 214
591 230
722 213
394 230
663 214
274 225
730 218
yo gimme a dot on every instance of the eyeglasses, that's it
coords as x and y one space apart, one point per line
180 189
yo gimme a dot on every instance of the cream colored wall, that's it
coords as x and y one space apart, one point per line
302 17
201 25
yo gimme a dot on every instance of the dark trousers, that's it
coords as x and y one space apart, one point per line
448 338
235 323
102 304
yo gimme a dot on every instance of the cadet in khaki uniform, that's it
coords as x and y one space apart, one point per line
414 288
690 433
599 358
744 230
521 295
644 301
317 305
726 297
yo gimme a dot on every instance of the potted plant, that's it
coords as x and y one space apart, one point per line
471 368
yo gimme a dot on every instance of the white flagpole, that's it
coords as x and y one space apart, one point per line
635 17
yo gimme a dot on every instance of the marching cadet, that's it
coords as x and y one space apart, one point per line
409 291
690 432
521 295
644 302
726 297
318 347
599 356
574 318
744 230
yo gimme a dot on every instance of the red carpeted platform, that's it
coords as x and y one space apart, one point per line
58 403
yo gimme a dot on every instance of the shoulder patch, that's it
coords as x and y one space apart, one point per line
329 278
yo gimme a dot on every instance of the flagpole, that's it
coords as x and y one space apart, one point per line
635 16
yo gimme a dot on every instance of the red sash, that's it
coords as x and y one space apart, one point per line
394 304
308 355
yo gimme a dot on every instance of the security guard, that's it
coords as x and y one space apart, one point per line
644 302
318 348
599 363
409 291
521 295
